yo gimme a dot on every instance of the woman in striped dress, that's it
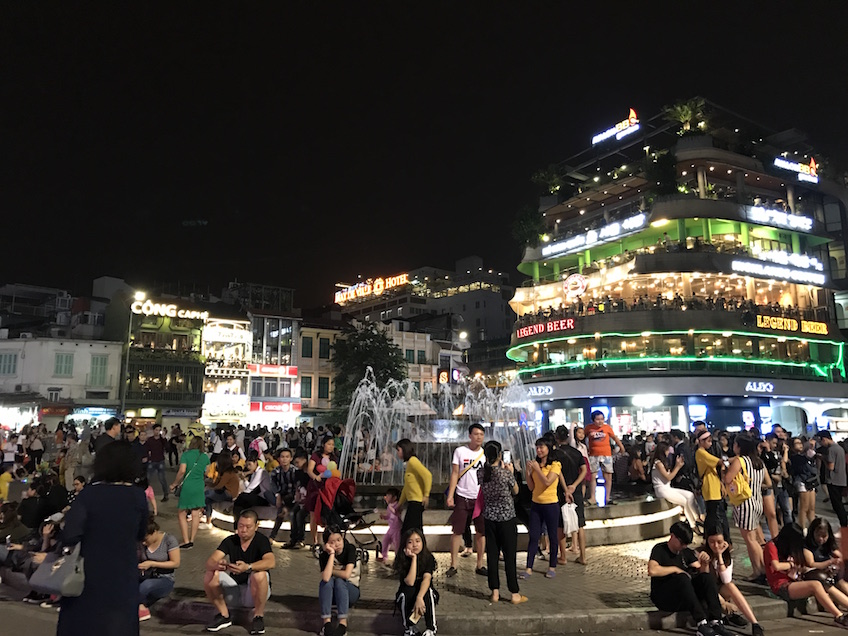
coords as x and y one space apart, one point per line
748 514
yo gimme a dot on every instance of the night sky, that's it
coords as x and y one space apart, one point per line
303 147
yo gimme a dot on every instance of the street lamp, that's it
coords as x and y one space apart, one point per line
463 336
139 296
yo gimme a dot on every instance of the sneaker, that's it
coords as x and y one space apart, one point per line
341 630
143 614
705 630
258 625
757 630
451 571
720 630
410 632
165 498
35 598
297 545
428 632
327 630
735 619
220 622
50 603
842 621
187 546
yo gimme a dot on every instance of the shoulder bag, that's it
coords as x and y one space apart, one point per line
739 490
179 487
60 575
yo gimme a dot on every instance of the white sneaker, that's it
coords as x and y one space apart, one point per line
428 632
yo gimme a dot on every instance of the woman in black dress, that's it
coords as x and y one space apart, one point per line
109 517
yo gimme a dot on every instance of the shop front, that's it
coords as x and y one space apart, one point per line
274 414
14 417
656 404
224 408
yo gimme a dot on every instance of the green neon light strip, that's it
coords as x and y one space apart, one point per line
638 334
611 361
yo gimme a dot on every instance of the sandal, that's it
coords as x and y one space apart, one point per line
521 599
550 573
842 621
562 562
524 575
580 560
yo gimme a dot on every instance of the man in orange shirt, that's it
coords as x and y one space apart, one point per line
598 436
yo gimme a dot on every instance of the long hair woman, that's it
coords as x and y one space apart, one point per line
193 465
108 519
498 485
661 478
318 462
748 514
417 482
784 564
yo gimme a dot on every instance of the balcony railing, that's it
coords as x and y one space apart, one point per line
165 396
614 367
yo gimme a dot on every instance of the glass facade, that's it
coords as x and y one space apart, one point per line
272 340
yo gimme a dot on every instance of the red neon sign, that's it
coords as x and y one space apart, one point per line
552 326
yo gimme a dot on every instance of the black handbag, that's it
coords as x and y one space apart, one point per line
811 484
60 575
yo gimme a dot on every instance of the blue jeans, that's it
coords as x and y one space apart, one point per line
151 590
784 504
547 514
213 496
157 468
344 593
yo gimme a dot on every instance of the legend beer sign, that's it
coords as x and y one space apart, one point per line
621 129
371 287
775 323
552 326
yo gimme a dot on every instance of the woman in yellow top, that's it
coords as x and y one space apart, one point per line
543 479
417 482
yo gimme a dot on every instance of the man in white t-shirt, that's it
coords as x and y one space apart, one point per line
462 496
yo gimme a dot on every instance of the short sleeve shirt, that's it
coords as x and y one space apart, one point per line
169 542
598 438
707 464
547 494
776 579
836 456
464 457
258 548
426 565
663 555
341 561
498 504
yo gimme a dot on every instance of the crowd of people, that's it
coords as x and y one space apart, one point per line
131 563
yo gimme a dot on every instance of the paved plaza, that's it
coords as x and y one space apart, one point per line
609 594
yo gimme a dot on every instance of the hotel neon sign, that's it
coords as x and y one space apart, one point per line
370 287
806 171
596 237
149 308
779 218
761 269
621 129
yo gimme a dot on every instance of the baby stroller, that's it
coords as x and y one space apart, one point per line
335 508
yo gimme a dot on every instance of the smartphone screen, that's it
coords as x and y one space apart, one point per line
507 457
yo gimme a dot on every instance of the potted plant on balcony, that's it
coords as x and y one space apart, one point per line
690 114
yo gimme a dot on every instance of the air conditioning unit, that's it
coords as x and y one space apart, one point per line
26 335
21 388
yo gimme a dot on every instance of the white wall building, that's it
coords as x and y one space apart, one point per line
58 375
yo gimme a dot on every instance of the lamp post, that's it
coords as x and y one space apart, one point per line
462 336
139 296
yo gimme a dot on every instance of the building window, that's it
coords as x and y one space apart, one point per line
8 363
324 348
306 347
270 387
64 365
306 387
256 387
323 388
422 356
285 388
53 394
99 365
477 305
409 355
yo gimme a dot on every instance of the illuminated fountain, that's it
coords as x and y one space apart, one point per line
378 418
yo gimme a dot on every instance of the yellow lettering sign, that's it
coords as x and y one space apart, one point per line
777 323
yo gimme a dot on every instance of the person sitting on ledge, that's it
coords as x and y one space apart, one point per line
681 581
238 574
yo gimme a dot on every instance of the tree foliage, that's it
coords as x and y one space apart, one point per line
528 226
687 113
364 345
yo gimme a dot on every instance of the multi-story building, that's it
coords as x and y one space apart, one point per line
274 383
51 379
315 367
686 275
477 298
226 346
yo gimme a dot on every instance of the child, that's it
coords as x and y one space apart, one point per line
148 493
822 556
416 597
392 536
339 580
